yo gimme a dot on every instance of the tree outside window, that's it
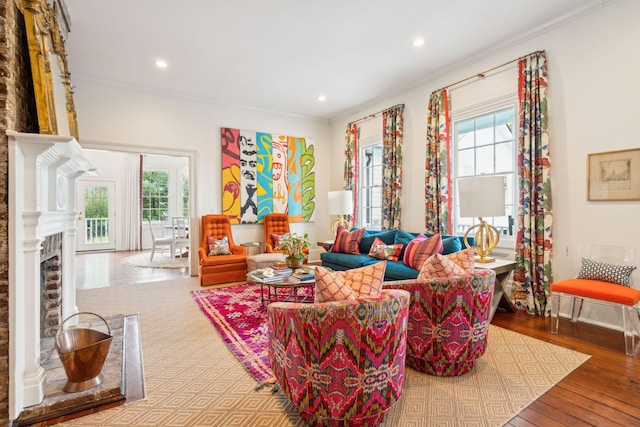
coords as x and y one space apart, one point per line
155 195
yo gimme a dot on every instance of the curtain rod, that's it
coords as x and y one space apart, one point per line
484 73
371 116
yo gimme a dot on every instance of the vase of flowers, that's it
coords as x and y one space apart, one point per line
294 246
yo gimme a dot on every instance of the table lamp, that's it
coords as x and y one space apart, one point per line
482 196
341 204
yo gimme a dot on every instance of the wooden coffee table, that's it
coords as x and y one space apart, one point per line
291 294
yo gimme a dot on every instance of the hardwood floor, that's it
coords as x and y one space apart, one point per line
604 391
103 269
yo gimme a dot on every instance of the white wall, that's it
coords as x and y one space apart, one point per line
121 119
594 64
593 69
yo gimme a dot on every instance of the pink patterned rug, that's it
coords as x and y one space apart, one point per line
238 315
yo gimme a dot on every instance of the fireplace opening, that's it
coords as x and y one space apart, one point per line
51 285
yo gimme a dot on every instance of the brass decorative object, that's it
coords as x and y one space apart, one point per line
482 196
83 352
486 238
49 69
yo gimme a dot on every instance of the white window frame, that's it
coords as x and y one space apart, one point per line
363 207
169 177
484 108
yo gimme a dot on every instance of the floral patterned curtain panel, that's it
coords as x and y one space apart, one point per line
533 273
437 172
351 166
392 138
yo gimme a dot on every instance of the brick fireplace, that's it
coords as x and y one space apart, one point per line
51 285
42 230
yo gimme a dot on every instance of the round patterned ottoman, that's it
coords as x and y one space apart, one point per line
255 262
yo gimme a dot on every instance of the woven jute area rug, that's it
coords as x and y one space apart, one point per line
192 378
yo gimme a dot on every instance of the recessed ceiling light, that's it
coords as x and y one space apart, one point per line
418 42
161 63
322 98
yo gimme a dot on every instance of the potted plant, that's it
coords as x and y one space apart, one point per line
294 246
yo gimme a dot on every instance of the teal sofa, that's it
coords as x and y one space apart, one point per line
396 270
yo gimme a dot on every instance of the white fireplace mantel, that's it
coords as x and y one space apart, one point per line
42 175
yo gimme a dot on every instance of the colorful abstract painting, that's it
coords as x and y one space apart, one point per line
264 173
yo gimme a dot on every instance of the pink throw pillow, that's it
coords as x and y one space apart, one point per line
465 259
366 281
440 267
359 283
276 240
332 286
347 242
421 248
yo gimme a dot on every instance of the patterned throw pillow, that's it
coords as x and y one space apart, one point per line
347 241
595 270
440 267
218 247
465 259
366 282
380 250
276 240
421 248
363 282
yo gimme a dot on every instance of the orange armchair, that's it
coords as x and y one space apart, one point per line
220 268
274 223
278 224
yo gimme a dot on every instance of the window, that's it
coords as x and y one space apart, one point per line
485 144
155 195
185 198
370 186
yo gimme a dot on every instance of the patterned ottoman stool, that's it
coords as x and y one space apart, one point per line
255 262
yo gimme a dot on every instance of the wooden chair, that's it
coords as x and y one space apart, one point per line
220 268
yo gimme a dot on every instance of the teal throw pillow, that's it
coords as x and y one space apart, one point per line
451 244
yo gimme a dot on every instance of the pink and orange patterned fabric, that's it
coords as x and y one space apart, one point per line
439 266
340 363
347 242
421 248
448 322
364 282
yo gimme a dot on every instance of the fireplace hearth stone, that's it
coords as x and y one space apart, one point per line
116 389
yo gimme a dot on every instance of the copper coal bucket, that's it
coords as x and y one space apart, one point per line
82 352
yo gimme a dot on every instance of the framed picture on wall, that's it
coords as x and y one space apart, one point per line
614 175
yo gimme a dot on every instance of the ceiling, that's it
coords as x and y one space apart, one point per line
280 55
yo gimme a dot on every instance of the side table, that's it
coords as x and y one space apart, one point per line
503 269
325 244
253 248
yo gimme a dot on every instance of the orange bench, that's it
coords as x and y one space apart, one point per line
587 286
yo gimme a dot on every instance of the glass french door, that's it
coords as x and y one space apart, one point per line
96 215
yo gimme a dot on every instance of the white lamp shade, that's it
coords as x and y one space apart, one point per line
340 202
481 196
